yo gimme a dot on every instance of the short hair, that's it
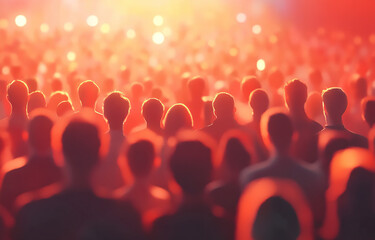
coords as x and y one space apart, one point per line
196 86
177 117
32 84
223 104
295 93
18 93
248 85
63 108
280 129
259 101
141 157
368 110
152 109
335 101
88 92
36 100
116 107
191 166
80 144
39 130
236 156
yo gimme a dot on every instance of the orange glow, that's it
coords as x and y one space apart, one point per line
257 29
68 27
44 28
131 34
241 17
158 20
4 23
105 28
71 56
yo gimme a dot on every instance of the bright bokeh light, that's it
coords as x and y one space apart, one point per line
158 38
44 28
131 33
241 17
158 20
257 29
71 56
92 20
68 26
105 28
261 65
20 20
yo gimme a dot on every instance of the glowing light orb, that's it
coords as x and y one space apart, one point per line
44 28
241 17
20 21
131 34
71 56
92 20
5 70
158 38
158 20
105 28
261 65
257 29
68 27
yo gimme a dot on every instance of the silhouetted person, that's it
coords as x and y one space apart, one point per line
196 87
277 128
153 112
36 100
151 201
335 103
355 207
224 110
276 219
314 107
178 117
305 146
64 108
191 167
368 111
40 169
18 95
55 99
275 82
32 84
108 176
5 107
135 117
65 215
248 85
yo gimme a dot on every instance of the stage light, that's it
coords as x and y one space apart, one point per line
68 27
4 23
257 29
92 21
158 20
44 28
105 28
158 38
71 56
241 17
131 34
20 21
261 65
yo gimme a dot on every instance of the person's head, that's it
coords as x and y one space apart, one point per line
276 79
295 95
39 131
276 219
359 88
223 105
116 108
152 111
141 156
136 90
335 102
259 101
55 99
196 86
32 84
80 145
18 94
236 156
368 110
88 93
191 166
178 117
64 108
36 100
277 128
248 85
56 85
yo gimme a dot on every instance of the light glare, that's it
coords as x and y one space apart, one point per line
261 65
92 21
71 56
241 17
131 34
68 26
158 38
158 20
20 21
257 29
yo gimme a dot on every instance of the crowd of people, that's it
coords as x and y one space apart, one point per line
189 140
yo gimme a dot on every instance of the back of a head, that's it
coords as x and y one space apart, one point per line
63 108
191 166
36 100
32 84
81 143
39 130
141 157
360 187
295 94
136 89
359 87
18 93
56 98
177 117
236 156
335 101
276 220
368 110
116 107
259 101
88 93
276 79
249 84
280 130
196 86
152 110
223 105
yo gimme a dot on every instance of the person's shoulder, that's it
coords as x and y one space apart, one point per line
253 172
316 126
